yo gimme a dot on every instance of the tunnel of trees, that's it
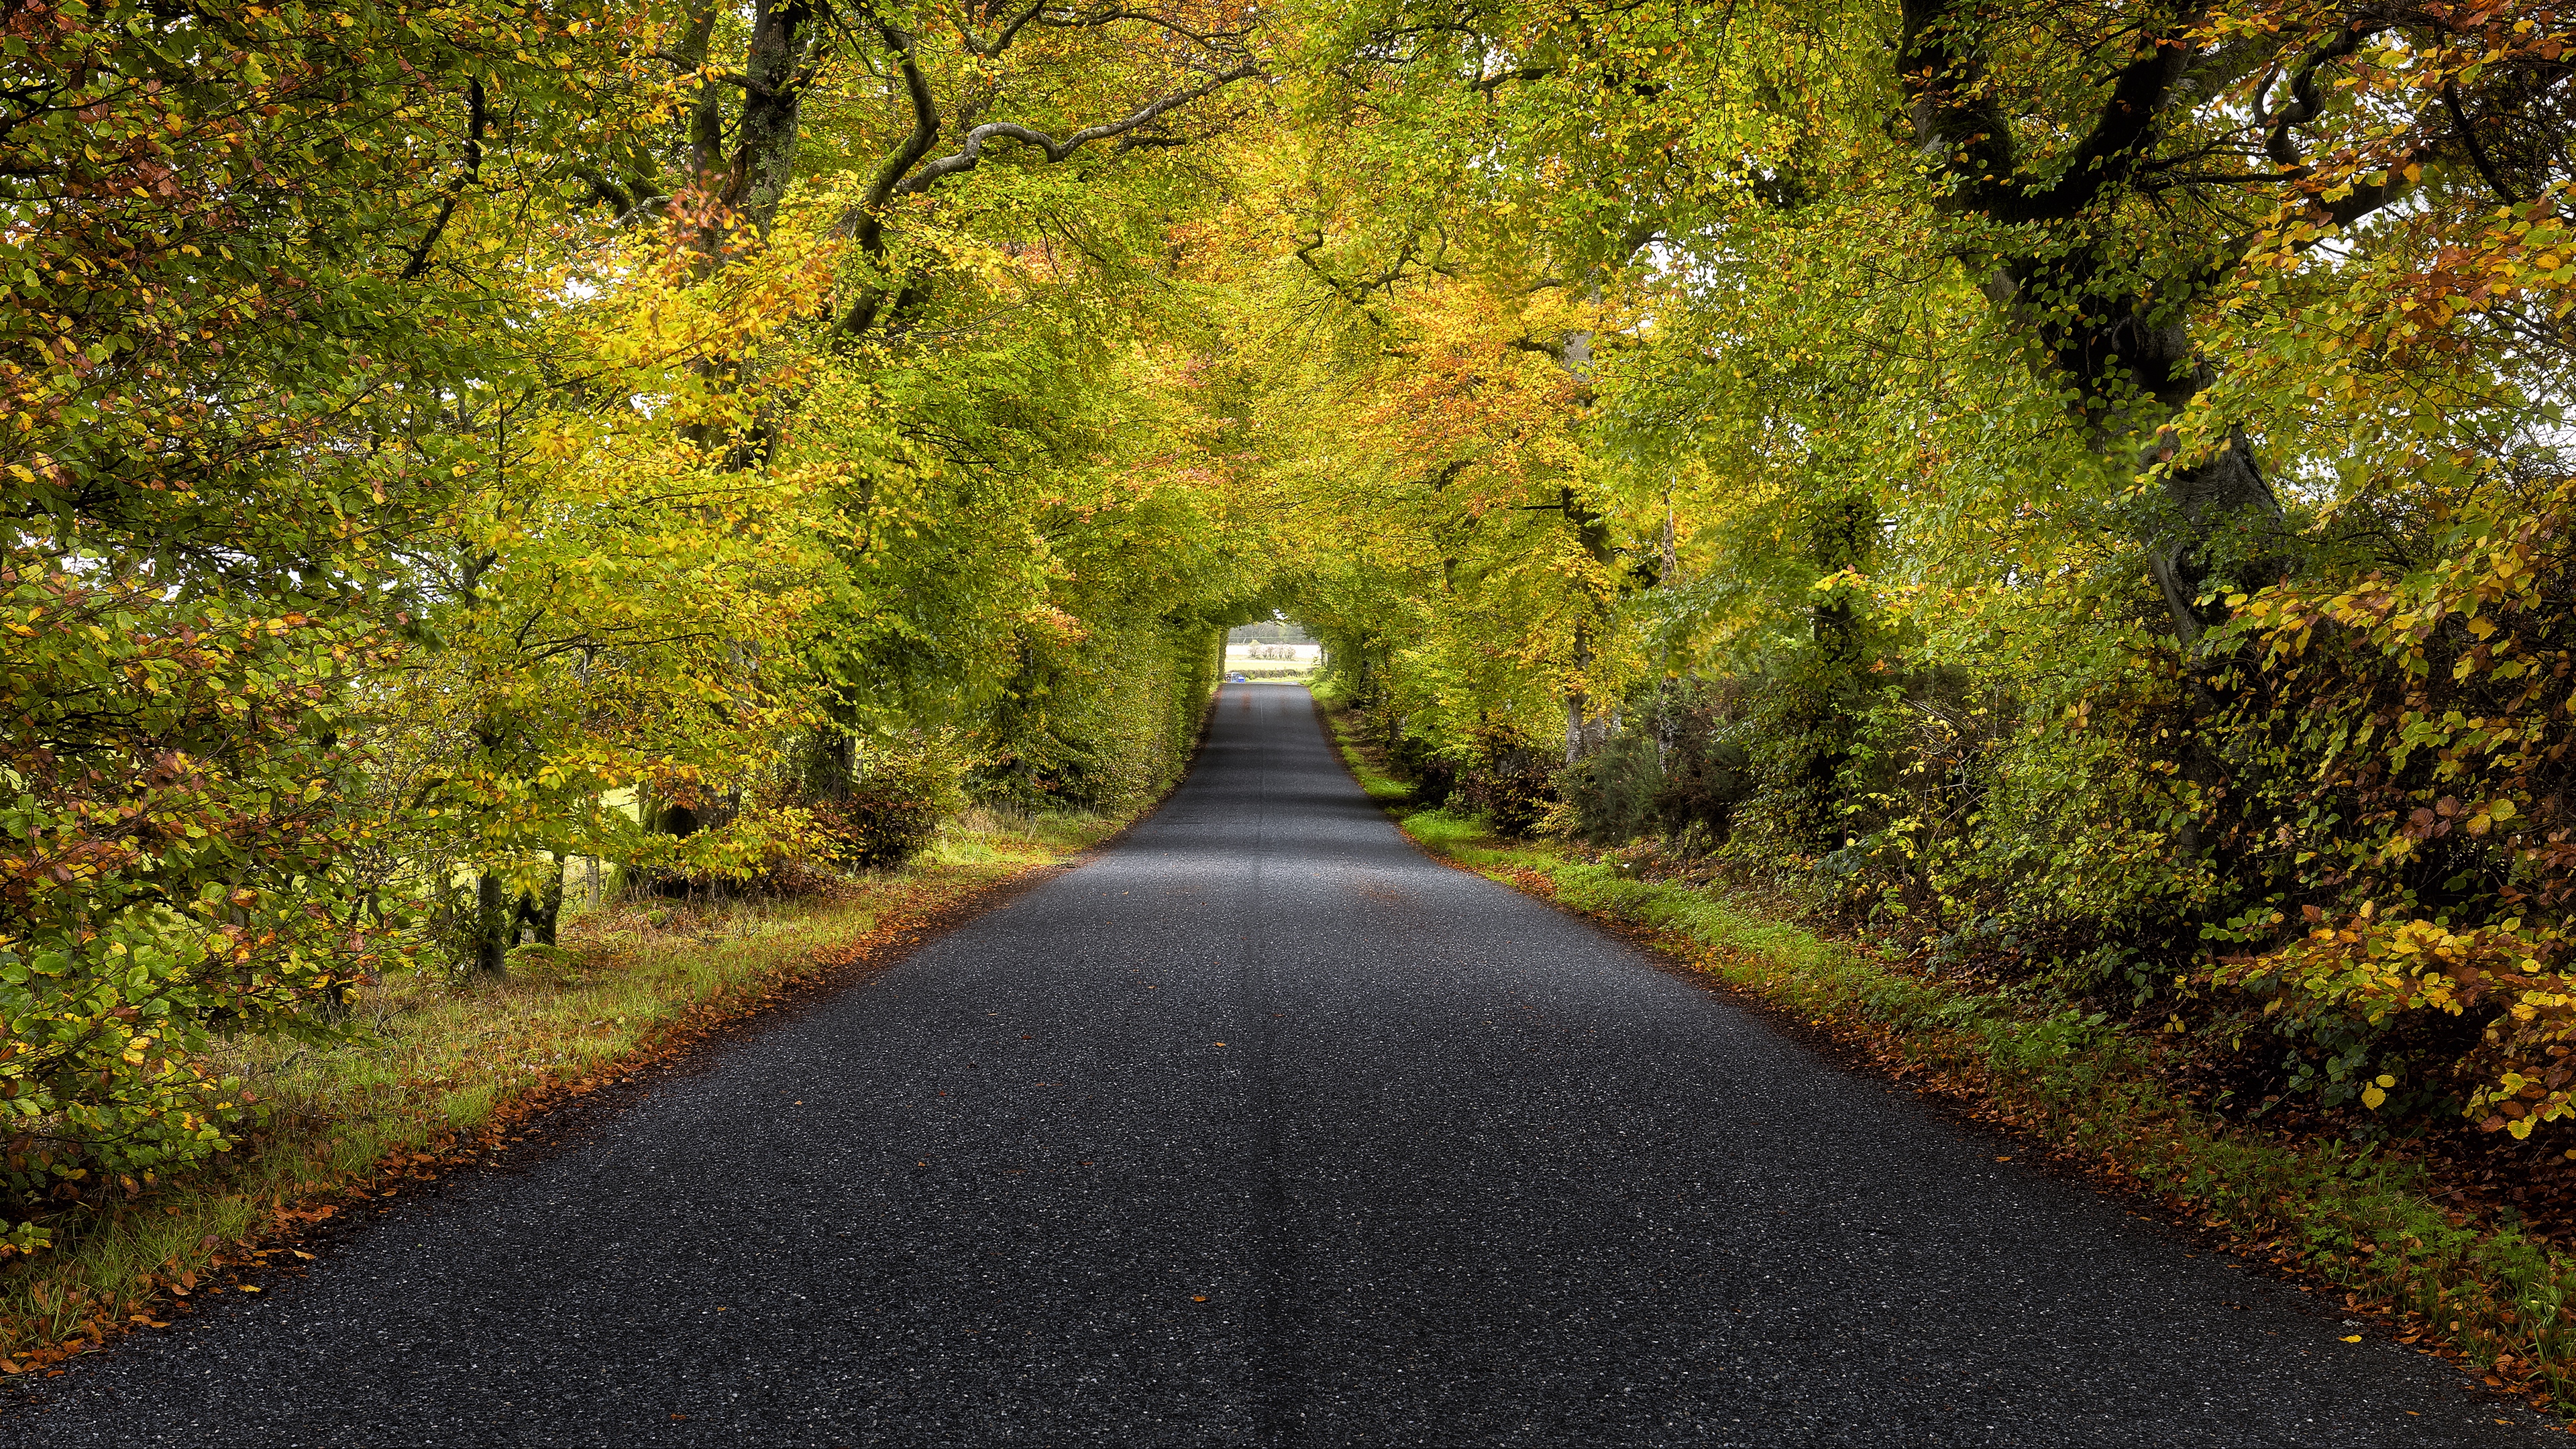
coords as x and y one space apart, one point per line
2077 491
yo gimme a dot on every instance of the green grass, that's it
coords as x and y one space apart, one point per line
2091 1094
445 1063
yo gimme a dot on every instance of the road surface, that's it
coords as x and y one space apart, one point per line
1262 1128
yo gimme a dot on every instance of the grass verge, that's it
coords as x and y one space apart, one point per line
2091 1096
452 1073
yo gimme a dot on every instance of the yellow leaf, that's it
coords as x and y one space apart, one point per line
2371 1097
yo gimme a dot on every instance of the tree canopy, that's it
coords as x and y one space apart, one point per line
2078 489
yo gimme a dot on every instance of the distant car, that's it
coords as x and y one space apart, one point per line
1237 678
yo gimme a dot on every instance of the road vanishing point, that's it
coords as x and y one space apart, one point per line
1261 1127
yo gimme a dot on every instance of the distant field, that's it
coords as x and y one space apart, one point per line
1240 659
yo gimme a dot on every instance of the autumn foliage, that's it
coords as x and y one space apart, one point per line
442 443
2075 492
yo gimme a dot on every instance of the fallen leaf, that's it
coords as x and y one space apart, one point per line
2352 1338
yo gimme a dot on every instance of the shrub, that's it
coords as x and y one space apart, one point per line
892 810
1433 777
1706 772
2399 824
1507 779
1610 794
1101 722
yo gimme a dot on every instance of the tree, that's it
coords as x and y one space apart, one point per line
236 306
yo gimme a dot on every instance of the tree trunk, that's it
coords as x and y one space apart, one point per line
2108 320
493 922
1582 734
540 912
2222 496
771 108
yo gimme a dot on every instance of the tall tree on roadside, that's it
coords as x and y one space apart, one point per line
236 307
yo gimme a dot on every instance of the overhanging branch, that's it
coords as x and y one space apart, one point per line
971 152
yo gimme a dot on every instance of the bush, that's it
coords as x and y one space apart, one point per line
1507 780
1706 772
1434 779
891 811
1610 795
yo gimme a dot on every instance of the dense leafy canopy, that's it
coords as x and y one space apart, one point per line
2078 488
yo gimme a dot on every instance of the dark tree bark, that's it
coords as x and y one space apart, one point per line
777 65
494 924
779 62
539 913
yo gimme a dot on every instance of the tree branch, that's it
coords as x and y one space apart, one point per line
706 116
2477 151
968 155
477 118
1955 117
2306 101
1487 85
866 221
1002 39
2121 134
906 172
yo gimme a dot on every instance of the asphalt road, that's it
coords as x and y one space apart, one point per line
1262 1128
